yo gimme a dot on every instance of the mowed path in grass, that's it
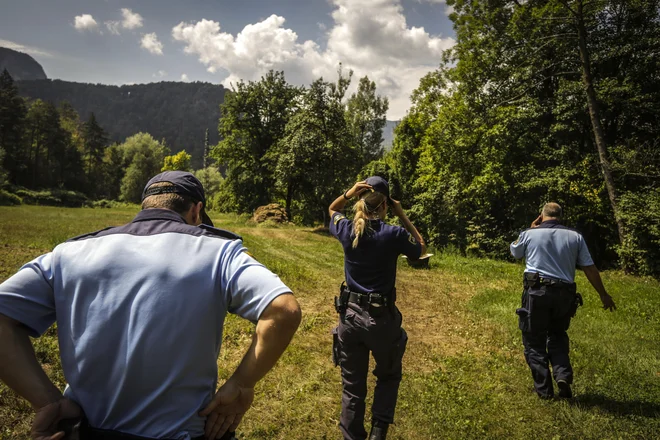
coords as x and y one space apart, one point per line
464 373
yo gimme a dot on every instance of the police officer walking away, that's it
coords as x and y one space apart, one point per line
368 317
550 299
140 310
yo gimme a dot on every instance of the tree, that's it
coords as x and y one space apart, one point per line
12 120
506 122
47 144
366 117
212 181
315 158
253 119
94 141
143 157
177 162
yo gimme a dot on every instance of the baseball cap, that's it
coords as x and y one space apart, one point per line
379 185
184 184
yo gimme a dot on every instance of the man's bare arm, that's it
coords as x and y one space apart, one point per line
19 367
275 329
593 275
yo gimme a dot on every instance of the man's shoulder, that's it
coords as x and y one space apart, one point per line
99 233
544 228
157 228
220 233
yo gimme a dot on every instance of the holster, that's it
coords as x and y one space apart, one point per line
577 302
531 279
341 301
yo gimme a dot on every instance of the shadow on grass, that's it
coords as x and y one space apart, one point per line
618 407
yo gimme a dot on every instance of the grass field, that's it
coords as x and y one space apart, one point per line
464 372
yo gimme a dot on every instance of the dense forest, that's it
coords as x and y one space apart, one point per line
175 112
541 100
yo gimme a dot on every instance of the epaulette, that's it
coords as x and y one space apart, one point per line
220 232
89 234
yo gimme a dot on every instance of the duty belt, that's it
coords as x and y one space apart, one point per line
531 279
372 299
81 430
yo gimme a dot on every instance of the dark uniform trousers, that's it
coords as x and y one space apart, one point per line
360 331
544 317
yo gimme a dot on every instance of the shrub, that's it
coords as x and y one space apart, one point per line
55 197
9 199
640 253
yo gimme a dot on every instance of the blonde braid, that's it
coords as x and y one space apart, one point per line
359 220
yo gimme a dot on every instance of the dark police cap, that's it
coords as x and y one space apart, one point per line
184 184
379 185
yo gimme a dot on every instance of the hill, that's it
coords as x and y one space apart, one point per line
180 113
20 66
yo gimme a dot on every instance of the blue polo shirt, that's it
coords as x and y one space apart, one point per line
140 310
371 267
552 250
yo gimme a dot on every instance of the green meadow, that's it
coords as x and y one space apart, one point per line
464 372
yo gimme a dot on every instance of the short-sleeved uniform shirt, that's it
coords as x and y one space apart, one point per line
371 267
552 250
140 311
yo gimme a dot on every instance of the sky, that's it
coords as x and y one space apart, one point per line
393 42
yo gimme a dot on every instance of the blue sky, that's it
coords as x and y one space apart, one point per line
394 42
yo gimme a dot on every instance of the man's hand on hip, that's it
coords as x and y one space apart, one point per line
227 409
44 426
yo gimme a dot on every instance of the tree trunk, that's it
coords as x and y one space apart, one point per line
596 124
289 199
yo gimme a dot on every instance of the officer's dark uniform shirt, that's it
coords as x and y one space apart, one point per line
371 267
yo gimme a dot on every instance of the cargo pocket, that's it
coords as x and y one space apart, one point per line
400 351
335 346
523 319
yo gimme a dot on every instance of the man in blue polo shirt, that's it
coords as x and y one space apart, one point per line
549 300
140 310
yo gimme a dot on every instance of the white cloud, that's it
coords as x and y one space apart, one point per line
151 43
184 78
131 20
85 22
35 51
449 10
369 36
113 26
159 74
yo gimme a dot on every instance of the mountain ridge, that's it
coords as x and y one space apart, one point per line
20 66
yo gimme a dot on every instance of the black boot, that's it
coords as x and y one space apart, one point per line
378 430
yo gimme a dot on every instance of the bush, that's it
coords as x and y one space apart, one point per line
105 203
9 199
640 253
55 197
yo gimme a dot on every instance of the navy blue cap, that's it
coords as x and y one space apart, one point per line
184 184
379 185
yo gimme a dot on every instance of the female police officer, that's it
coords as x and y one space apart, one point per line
369 320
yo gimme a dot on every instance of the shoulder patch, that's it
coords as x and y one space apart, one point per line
411 239
338 218
220 232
